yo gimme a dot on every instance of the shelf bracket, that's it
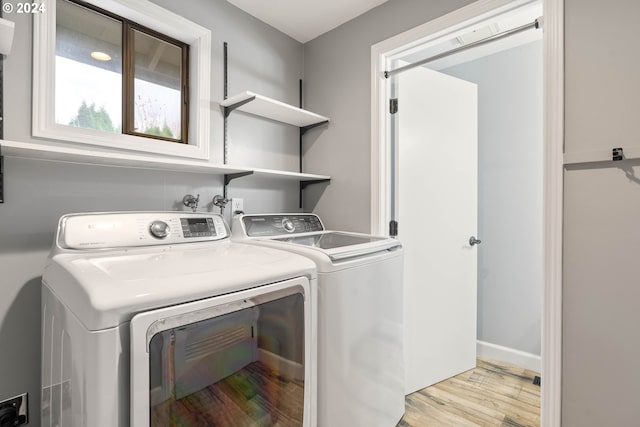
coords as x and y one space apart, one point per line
1 176
304 129
231 176
230 108
305 184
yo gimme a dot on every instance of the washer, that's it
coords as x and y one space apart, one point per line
157 319
360 317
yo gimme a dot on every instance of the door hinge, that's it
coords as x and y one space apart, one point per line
393 105
393 228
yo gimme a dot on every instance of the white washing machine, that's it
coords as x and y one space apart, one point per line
360 317
158 319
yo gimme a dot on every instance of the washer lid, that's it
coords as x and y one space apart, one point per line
331 240
339 245
106 288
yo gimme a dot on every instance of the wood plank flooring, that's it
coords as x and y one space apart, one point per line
492 394
255 396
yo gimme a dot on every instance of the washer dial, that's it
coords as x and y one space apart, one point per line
159 229
288 225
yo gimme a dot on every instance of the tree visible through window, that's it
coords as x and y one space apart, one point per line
89 117
113 75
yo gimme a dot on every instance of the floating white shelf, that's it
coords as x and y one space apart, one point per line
290 176
73 155
263 106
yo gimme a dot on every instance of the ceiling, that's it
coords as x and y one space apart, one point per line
304 20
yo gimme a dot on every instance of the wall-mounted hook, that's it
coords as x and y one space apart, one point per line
191 202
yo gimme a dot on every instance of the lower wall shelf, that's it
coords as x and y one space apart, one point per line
75 155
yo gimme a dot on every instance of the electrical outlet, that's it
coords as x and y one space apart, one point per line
237 205
14 411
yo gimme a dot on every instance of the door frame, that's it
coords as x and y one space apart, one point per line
553 141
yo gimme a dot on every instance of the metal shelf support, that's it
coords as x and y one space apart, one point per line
230 108
305 184
230 177
304 130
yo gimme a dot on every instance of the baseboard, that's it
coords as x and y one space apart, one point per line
519 358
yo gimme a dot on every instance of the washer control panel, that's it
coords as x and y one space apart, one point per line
279 224
130 229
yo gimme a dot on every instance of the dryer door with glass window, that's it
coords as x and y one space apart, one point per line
237 359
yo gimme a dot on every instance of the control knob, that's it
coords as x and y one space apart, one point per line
288 225
159 229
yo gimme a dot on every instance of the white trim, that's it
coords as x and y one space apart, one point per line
551 393
522 359
152 16
553 40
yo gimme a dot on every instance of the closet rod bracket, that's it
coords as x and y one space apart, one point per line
617 154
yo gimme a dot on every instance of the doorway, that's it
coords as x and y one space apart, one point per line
429 36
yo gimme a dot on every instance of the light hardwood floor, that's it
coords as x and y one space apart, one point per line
492 394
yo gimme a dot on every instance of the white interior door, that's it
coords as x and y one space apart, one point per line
437 214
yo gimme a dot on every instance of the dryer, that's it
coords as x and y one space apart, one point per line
360 316
158 319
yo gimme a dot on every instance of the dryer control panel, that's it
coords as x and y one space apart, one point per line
279 224
131 229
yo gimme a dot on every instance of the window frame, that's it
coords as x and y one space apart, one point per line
155 21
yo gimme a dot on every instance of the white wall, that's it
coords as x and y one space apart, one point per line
509 195
38 192
601 292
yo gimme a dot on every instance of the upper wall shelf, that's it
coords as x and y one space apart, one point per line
263 106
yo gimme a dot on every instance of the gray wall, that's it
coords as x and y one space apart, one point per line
38 192
601 292
602 205
509 195
337 72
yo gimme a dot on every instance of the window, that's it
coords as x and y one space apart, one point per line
132 79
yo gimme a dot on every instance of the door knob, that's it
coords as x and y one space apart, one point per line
474 241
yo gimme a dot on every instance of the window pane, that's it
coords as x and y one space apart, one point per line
245 368
157 87
88 90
